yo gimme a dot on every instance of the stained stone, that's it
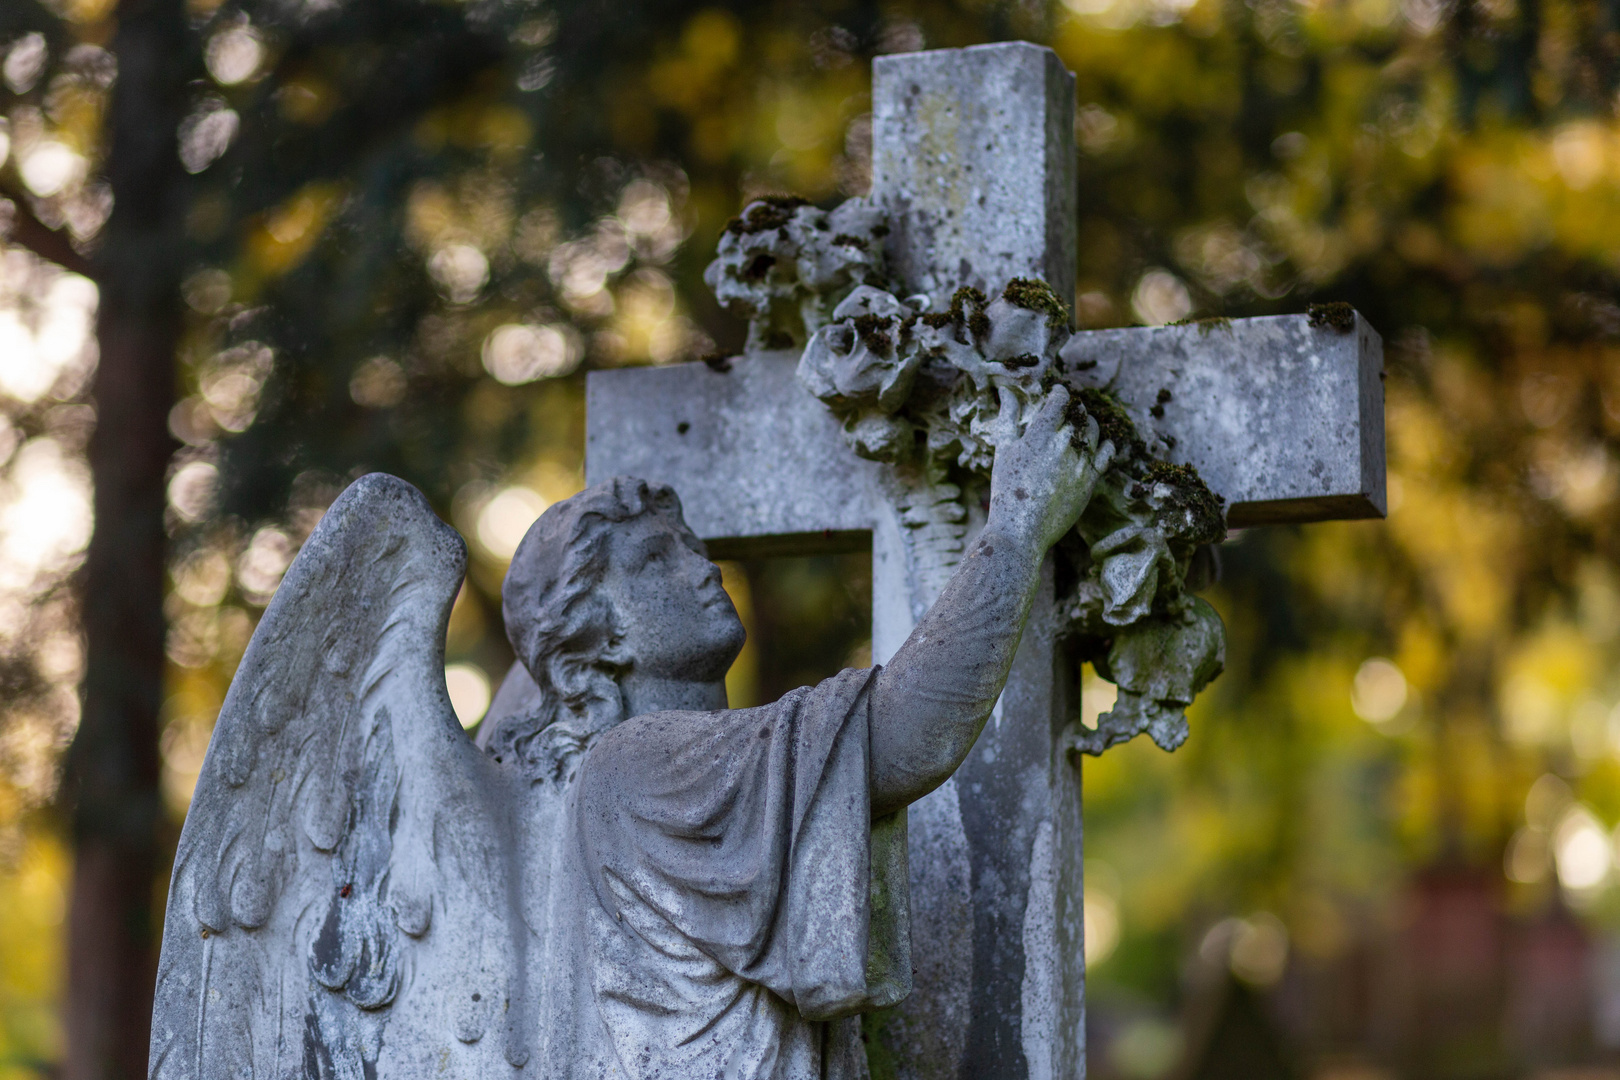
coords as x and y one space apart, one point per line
973 158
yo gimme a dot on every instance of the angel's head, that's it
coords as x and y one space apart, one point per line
608 584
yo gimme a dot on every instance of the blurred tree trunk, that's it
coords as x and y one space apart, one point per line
113 767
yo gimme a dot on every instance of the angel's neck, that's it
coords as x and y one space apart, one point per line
650 693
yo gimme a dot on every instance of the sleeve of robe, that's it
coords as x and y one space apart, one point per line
750 831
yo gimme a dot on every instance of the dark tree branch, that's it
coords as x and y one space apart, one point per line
49 244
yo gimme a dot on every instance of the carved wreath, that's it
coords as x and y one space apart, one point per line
941 385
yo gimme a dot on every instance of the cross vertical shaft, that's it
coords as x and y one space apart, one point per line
973 158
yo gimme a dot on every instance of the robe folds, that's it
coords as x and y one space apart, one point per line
721 903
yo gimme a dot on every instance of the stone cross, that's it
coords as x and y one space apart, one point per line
974 161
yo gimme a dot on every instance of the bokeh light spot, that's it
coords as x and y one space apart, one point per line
505 519
1379 692
469 692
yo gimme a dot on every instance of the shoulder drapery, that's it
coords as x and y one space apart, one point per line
750 833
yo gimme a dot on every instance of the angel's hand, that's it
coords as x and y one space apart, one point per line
1040 485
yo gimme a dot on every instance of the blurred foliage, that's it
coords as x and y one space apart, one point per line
412 226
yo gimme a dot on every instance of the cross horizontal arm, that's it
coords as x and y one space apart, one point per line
1283 419
760 465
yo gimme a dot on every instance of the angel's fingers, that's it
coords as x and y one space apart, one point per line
1087 436
1049 417
1103 458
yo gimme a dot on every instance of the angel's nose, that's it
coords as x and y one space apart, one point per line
705 573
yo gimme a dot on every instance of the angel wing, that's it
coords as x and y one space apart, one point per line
344 901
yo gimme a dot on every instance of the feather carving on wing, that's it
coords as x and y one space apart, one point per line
342 809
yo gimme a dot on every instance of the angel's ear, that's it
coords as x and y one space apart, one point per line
605 707
615 656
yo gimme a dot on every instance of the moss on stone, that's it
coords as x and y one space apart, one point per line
1188 492
1337 315
967 306
766 213
1206 325
872 330
978 323
1035 295
1113 422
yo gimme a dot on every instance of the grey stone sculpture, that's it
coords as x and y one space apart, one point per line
630 880
974 185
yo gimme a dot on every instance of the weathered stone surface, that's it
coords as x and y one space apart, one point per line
760 465
631 879
359 892
973 158
321 892
1283 419
974 165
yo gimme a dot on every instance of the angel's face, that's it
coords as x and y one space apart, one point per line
678 622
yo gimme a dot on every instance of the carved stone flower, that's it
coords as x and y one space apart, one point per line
1159 664
1130 562
783 263
857 360
945 389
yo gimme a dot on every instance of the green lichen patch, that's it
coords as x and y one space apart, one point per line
766 213
1113 422
1034 295
964 296
1188 492
1207 325
1337 315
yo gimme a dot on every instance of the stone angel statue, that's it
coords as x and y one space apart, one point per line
623 878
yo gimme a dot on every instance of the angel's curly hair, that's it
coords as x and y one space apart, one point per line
564 628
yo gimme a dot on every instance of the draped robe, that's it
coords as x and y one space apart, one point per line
718 900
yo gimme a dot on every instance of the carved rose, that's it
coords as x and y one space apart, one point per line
783 263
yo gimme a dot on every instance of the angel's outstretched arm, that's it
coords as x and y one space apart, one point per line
931 701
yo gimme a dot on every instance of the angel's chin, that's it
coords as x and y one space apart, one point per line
725 643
